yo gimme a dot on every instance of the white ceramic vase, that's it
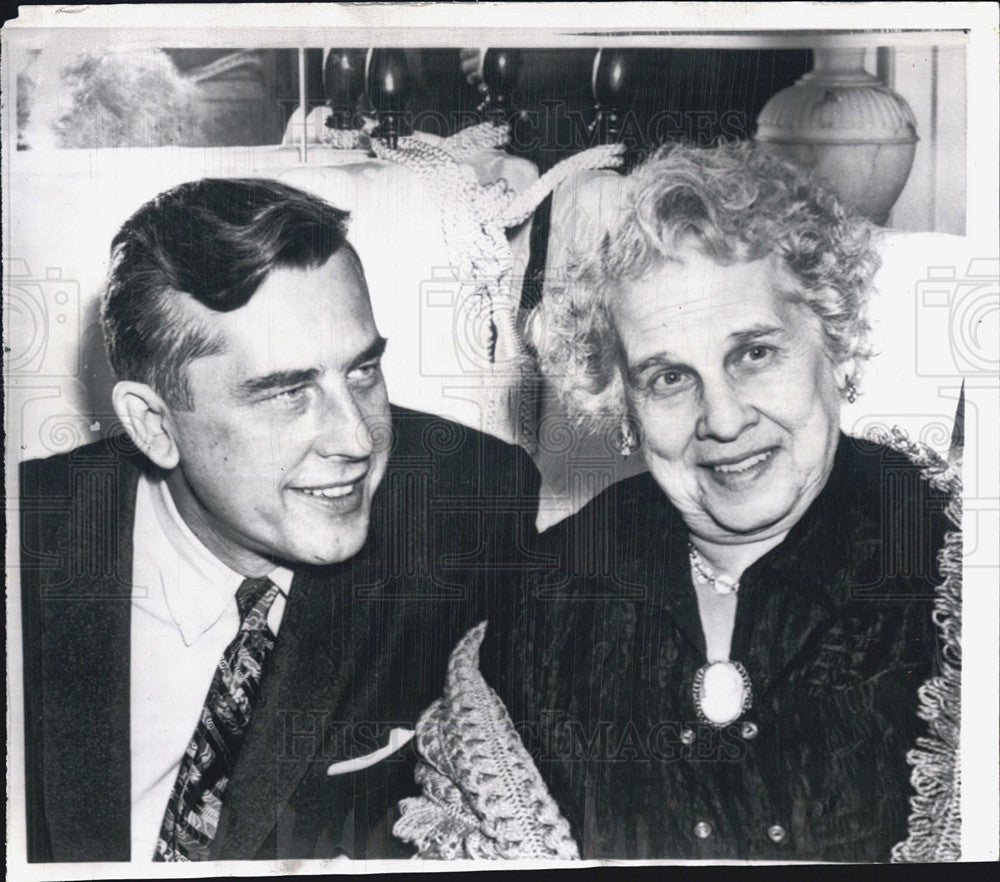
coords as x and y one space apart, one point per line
848 126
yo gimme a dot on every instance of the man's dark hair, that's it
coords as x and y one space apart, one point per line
215 240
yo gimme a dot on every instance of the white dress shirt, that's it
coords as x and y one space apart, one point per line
184 615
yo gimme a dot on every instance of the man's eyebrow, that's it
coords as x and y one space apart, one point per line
370 353
276 380
286 379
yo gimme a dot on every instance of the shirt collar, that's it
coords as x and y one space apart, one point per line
204 586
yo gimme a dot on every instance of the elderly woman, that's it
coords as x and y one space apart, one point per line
724 659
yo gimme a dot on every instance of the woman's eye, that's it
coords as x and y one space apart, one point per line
667 381
757 353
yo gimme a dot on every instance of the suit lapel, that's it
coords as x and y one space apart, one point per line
86 609
305 682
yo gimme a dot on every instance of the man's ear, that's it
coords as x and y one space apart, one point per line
146 418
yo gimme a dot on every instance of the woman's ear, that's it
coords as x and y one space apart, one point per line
846 373
146 418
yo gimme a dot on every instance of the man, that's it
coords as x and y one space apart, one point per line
234 614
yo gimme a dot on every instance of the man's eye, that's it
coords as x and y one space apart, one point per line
365 372
290 396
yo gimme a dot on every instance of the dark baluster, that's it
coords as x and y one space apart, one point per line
500 71
343 82
388 84
611 84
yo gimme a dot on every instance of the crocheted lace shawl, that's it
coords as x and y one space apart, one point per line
484 798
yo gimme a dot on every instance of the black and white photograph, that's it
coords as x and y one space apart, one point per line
500 436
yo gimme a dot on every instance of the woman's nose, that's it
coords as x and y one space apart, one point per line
724 412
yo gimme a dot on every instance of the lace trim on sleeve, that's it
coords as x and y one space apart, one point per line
482 795
935 822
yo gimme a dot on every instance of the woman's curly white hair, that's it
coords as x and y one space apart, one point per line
736 203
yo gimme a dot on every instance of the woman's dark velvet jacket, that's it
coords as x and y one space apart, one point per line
596 663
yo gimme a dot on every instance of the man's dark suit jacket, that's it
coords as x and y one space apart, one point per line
363 647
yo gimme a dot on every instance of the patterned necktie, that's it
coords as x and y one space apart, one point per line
192 815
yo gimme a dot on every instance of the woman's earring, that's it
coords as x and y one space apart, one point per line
850 391
628 438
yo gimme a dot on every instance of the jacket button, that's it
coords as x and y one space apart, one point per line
776 833
687 736
703 829
749 730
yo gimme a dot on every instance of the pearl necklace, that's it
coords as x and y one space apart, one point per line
721 584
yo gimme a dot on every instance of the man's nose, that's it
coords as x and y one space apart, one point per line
343 430
724 412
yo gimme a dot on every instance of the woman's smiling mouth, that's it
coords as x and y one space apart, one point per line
737 473
743 464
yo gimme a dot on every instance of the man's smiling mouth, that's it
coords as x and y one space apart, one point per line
339 497
328 492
